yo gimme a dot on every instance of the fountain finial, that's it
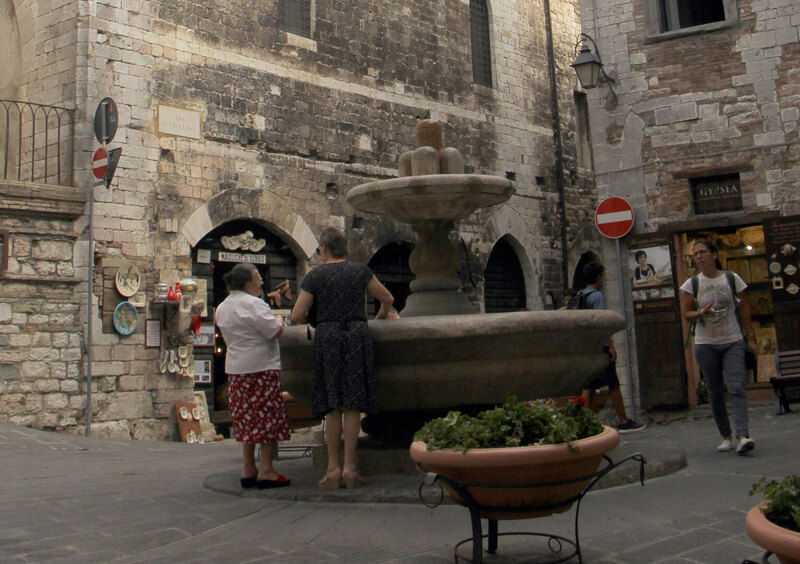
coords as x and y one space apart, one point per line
428 133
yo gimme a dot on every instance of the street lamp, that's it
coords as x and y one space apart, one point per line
588 66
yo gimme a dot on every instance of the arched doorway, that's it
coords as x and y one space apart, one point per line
504 282
390 265
213 256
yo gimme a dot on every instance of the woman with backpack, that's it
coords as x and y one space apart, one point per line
712 302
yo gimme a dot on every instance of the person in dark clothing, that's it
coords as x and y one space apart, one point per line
344 370
594 275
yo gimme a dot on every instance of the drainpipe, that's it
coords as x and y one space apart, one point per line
559 149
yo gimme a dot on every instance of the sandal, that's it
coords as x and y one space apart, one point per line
351 482
330 482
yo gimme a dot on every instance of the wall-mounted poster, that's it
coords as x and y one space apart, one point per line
650 267
202 371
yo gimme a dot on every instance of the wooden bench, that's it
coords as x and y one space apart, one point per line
788 376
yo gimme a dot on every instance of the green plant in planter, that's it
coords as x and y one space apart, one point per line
783 500
515 423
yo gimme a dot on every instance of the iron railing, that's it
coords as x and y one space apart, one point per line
36 142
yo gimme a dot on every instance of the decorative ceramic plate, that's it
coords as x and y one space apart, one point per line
125 318
774 267
790 269
128 279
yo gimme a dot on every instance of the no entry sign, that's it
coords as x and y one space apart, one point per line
614 217
100 163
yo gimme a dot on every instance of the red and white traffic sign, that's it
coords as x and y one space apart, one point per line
100 163
614 217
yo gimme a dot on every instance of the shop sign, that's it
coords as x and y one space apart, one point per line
241 257
717 194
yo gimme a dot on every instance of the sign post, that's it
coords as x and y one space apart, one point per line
106 119
614 219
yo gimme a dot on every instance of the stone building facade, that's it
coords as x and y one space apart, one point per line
232 118
702 139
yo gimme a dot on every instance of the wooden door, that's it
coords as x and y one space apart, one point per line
659 350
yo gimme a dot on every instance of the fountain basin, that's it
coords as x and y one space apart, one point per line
412 199
445 361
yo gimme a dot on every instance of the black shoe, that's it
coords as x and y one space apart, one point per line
630 426
248 482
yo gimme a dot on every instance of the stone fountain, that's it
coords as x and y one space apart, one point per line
442 354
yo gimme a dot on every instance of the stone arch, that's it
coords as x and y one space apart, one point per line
261 206
504 287
507 223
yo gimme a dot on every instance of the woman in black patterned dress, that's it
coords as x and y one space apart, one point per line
344 367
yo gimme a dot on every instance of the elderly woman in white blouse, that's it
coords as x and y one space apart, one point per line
253 365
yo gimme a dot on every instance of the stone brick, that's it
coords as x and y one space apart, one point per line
47 385
69 386
21 340
130 383
51 250
111 430
123 405
56 401
9 372
33 370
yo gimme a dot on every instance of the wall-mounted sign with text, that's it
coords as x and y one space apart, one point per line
241 257
180 122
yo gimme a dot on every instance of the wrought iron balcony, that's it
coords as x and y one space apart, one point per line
36 143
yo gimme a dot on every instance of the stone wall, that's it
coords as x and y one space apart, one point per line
288 125
695 102
698 104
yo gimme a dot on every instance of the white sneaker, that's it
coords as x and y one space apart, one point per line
726 444
745 445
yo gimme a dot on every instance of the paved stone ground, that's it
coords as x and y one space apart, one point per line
70 499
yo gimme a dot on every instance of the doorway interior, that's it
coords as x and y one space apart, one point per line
213 257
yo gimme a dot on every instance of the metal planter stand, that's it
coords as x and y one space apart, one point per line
555 543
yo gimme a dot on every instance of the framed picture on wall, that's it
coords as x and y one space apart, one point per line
205 338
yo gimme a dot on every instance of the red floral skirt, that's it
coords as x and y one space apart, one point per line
258 414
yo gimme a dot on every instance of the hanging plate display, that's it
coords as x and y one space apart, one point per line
125 318
774 267
128 279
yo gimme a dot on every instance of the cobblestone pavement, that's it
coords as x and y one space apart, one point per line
71 499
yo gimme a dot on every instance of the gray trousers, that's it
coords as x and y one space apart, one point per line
716 362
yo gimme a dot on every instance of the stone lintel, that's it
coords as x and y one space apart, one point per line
32 198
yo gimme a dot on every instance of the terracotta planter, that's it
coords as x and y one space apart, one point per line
520 465
785 544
